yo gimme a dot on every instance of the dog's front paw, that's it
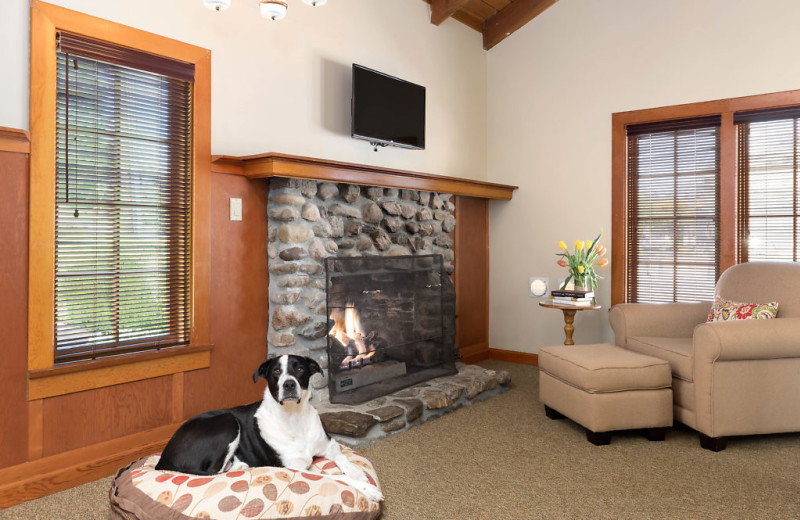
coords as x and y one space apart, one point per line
368 490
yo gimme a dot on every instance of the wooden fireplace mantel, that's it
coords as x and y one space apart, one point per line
296 167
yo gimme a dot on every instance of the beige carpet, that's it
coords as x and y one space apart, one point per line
503 459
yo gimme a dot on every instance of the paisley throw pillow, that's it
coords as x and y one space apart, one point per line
726 310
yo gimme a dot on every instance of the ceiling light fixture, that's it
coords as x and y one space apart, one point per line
272 9
217 5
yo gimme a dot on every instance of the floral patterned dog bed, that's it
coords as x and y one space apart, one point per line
140 492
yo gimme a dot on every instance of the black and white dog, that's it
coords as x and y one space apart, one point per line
282 430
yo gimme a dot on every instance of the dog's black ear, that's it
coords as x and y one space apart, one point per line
313 367
262 371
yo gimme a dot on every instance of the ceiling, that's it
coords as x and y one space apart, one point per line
495 19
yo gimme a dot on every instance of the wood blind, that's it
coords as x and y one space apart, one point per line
123 200
673 210
769 193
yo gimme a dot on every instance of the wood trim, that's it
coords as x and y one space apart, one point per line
728 171
280 165
474 353
509 19
226 164
46 20
728 188
523 358
201 201
35 429
619 210
14 140
42 188
47 475
441 10
115 361
45 383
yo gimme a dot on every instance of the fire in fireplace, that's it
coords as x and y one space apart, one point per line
391 324
350 338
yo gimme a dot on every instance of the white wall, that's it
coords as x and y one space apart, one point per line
285 86
553 86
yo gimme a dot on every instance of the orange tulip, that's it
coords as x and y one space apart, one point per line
602 262
562 263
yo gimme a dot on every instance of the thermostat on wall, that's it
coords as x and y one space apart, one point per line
538 287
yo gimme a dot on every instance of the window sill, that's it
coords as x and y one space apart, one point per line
87 375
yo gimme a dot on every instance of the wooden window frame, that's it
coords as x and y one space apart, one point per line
46 379
728 173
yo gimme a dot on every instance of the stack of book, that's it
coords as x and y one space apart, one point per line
572 297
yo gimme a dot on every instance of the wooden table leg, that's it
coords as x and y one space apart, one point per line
569 318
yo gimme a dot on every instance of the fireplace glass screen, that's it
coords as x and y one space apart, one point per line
391 324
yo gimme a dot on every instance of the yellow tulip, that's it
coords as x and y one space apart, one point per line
562 245
580 269
578 245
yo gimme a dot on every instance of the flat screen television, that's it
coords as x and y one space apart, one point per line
387 111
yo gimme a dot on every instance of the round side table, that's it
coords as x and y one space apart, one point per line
569 316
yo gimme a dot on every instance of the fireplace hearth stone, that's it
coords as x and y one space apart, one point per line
363 424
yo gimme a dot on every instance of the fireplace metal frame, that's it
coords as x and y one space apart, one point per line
398 292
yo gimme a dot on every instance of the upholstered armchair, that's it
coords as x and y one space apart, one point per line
729 378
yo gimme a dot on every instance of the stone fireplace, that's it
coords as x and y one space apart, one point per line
349 225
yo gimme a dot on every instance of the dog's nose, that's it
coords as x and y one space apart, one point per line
289 385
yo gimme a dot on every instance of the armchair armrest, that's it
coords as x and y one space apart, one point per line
666 320
747 340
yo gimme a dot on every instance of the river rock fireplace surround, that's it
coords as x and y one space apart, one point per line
388 255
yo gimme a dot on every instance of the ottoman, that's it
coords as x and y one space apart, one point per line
605 388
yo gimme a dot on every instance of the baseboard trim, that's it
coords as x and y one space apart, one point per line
513 356
474 353
47 475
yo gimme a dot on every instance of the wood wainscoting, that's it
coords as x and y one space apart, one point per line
58 442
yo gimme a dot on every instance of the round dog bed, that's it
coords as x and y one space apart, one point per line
140 492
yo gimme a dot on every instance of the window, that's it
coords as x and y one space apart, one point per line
768 184
673 218
697 188
120 132
123 200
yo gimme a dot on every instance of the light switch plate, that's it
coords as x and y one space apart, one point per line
236 209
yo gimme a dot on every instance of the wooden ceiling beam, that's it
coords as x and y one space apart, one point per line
513 17
441 10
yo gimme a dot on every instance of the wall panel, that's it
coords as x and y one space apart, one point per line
238 298
13 307
84 418
472 277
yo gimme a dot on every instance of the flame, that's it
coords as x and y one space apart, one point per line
348 331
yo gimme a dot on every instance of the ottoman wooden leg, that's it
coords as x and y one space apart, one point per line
712 443
656 434
552 414
598 438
